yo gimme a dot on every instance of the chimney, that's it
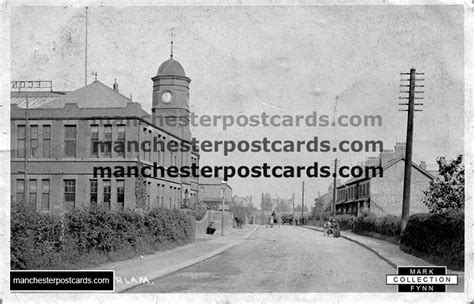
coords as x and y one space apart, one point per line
115 86
423 165
372 161
400 148
386 155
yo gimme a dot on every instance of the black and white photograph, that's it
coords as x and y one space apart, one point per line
230 152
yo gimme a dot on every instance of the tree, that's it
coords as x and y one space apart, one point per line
282 207
446 190
318 205
298 208
199 209
266 204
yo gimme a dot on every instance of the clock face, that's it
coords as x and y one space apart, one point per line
166 97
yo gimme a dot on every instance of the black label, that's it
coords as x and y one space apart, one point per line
54 280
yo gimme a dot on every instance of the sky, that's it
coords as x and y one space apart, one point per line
293 60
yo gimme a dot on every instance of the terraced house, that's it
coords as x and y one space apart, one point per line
53 152
383 195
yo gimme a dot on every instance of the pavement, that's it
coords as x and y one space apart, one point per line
389 252
144 269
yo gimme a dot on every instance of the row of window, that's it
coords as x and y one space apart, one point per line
107 193
33 141
101 148
70 193
174 196
353 192
107 141
33 191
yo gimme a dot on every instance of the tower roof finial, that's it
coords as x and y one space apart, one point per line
172 34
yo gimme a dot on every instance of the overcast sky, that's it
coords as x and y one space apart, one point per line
281 60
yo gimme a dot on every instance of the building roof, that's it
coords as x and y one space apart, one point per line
35 99
171 67
387 165
94 95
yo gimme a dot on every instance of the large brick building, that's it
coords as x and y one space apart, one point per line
59 138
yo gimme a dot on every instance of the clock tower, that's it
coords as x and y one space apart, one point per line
170 108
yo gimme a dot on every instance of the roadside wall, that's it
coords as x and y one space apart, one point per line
214 216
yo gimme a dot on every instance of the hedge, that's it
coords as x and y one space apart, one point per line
387 225
42 240
345 221
437 237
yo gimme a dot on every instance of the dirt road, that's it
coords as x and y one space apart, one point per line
285 259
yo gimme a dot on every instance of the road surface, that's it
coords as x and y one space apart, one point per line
282 259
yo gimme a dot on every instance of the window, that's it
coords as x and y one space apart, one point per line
158 195
34 141
93 193
33 191
171 199
70 141
95 141
20 190
120 194
121 138
107 193
108 141
158 156
45 194
69 190
178 195
21 141
162 196
46 141
148 186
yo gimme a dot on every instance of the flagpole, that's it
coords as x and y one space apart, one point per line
85 62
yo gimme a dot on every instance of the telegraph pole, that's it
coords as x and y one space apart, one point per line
27 150
85 61
302 203
223 199
334 189
293 205
409 139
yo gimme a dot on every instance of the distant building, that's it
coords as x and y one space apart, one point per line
210 191
242 200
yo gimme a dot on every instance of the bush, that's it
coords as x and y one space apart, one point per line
388 225
40 240
345 221
365 223
439 238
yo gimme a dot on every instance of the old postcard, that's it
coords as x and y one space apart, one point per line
236 152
